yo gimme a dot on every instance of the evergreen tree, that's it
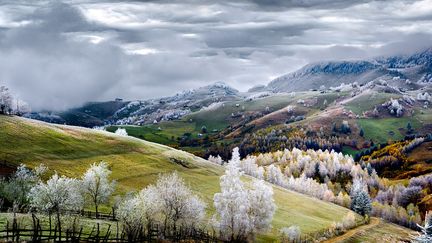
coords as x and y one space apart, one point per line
360 199
409 128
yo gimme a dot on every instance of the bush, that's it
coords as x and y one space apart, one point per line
290 234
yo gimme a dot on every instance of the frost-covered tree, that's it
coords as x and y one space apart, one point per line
249 166
290 234
360 199
177 204
242 212
216 159
261 206
148 206
58 195
17 188
426 230
424 96
275 175
21 107
169 203
121 132
6 100
128 213
96 185
232 204
394 107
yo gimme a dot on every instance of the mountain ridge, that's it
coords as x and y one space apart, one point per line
416 68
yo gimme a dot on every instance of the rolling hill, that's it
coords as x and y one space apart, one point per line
136 163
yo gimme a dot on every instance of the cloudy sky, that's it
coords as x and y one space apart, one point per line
60 54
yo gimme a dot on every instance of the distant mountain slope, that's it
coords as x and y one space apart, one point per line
405 72
175 107
141 111
136 163
89 115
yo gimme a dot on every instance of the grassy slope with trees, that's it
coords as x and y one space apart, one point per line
136 163
229 123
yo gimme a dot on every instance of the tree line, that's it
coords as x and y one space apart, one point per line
242 210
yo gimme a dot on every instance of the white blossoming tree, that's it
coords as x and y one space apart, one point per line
121 132
16 189
178 206
261 206
58 195
241 212
169 203
130 215
96 185
5 100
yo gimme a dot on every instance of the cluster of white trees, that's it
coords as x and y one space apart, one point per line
10 105
169 203
322 174
264 141
336 178
5 100
413 144
424 96
15 190
26 191
121 132
241 209
61 194
216 159
394 107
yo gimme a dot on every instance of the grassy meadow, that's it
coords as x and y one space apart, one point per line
136 163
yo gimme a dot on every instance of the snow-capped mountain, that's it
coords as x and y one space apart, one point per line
405 72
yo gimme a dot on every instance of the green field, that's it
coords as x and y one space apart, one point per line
381 130
164 132
136 163
368 102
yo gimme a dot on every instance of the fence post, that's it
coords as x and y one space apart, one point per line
97 233
79 235
117 230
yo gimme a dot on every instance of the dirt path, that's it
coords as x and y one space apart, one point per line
374 222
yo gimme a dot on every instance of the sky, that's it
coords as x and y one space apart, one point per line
60 54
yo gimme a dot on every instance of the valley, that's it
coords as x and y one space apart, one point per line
313 146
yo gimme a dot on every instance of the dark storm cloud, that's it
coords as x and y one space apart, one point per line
59 54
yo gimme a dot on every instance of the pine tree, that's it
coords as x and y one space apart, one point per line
409 128
360 199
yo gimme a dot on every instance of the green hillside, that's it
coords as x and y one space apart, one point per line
136 163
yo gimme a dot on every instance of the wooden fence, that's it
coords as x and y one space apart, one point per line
14 232
92 215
